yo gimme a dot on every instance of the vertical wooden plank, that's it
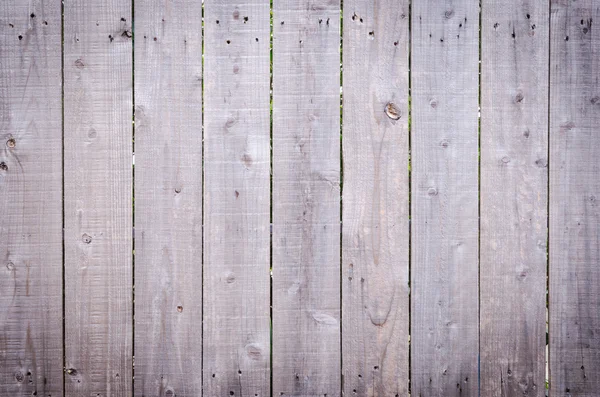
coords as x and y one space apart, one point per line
574 199
168 198
98 197
444 317
306 198
30 199
375 198
514 196
236 201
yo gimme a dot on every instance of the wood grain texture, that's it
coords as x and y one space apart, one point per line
514 196
98 198
444 247
30 199
375 198
574 199
306 198
168 198
236 200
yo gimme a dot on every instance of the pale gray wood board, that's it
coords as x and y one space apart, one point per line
514 196
31 355
375 198
98 198
574 199
236 201
168 198
444 230
306 198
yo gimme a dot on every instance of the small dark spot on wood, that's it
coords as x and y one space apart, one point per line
595 100
320 21
460 25
519 97
581 22
533 27
327 21
513 34
3 166
123 19
32 15
585 30
256 39
213 375
237 194
10 266
45 23
228 41
359 375
376 368
448 14
526 133
372 33
361 20
110 38
177 190
528 16
509 372
179 310
245 19
567 390
567 38
11 25
11 143
282 22
541 163
86 238
442 40
403 16
127 34
231 393
155 39
20 37
444 143
239 371
217 21
395 43
429 34
496 25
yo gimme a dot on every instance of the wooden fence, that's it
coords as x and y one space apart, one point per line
423 220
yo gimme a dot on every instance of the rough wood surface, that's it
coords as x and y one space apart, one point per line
574 199
31 355
98 198
168 198
306 198
444 247
375 198
236 200
514 196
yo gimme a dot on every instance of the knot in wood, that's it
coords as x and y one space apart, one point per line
392 111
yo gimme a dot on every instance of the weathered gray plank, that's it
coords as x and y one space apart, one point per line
375 198
30 199
306 198
514 196
98 197
444 248
168 198
574 197
236 201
